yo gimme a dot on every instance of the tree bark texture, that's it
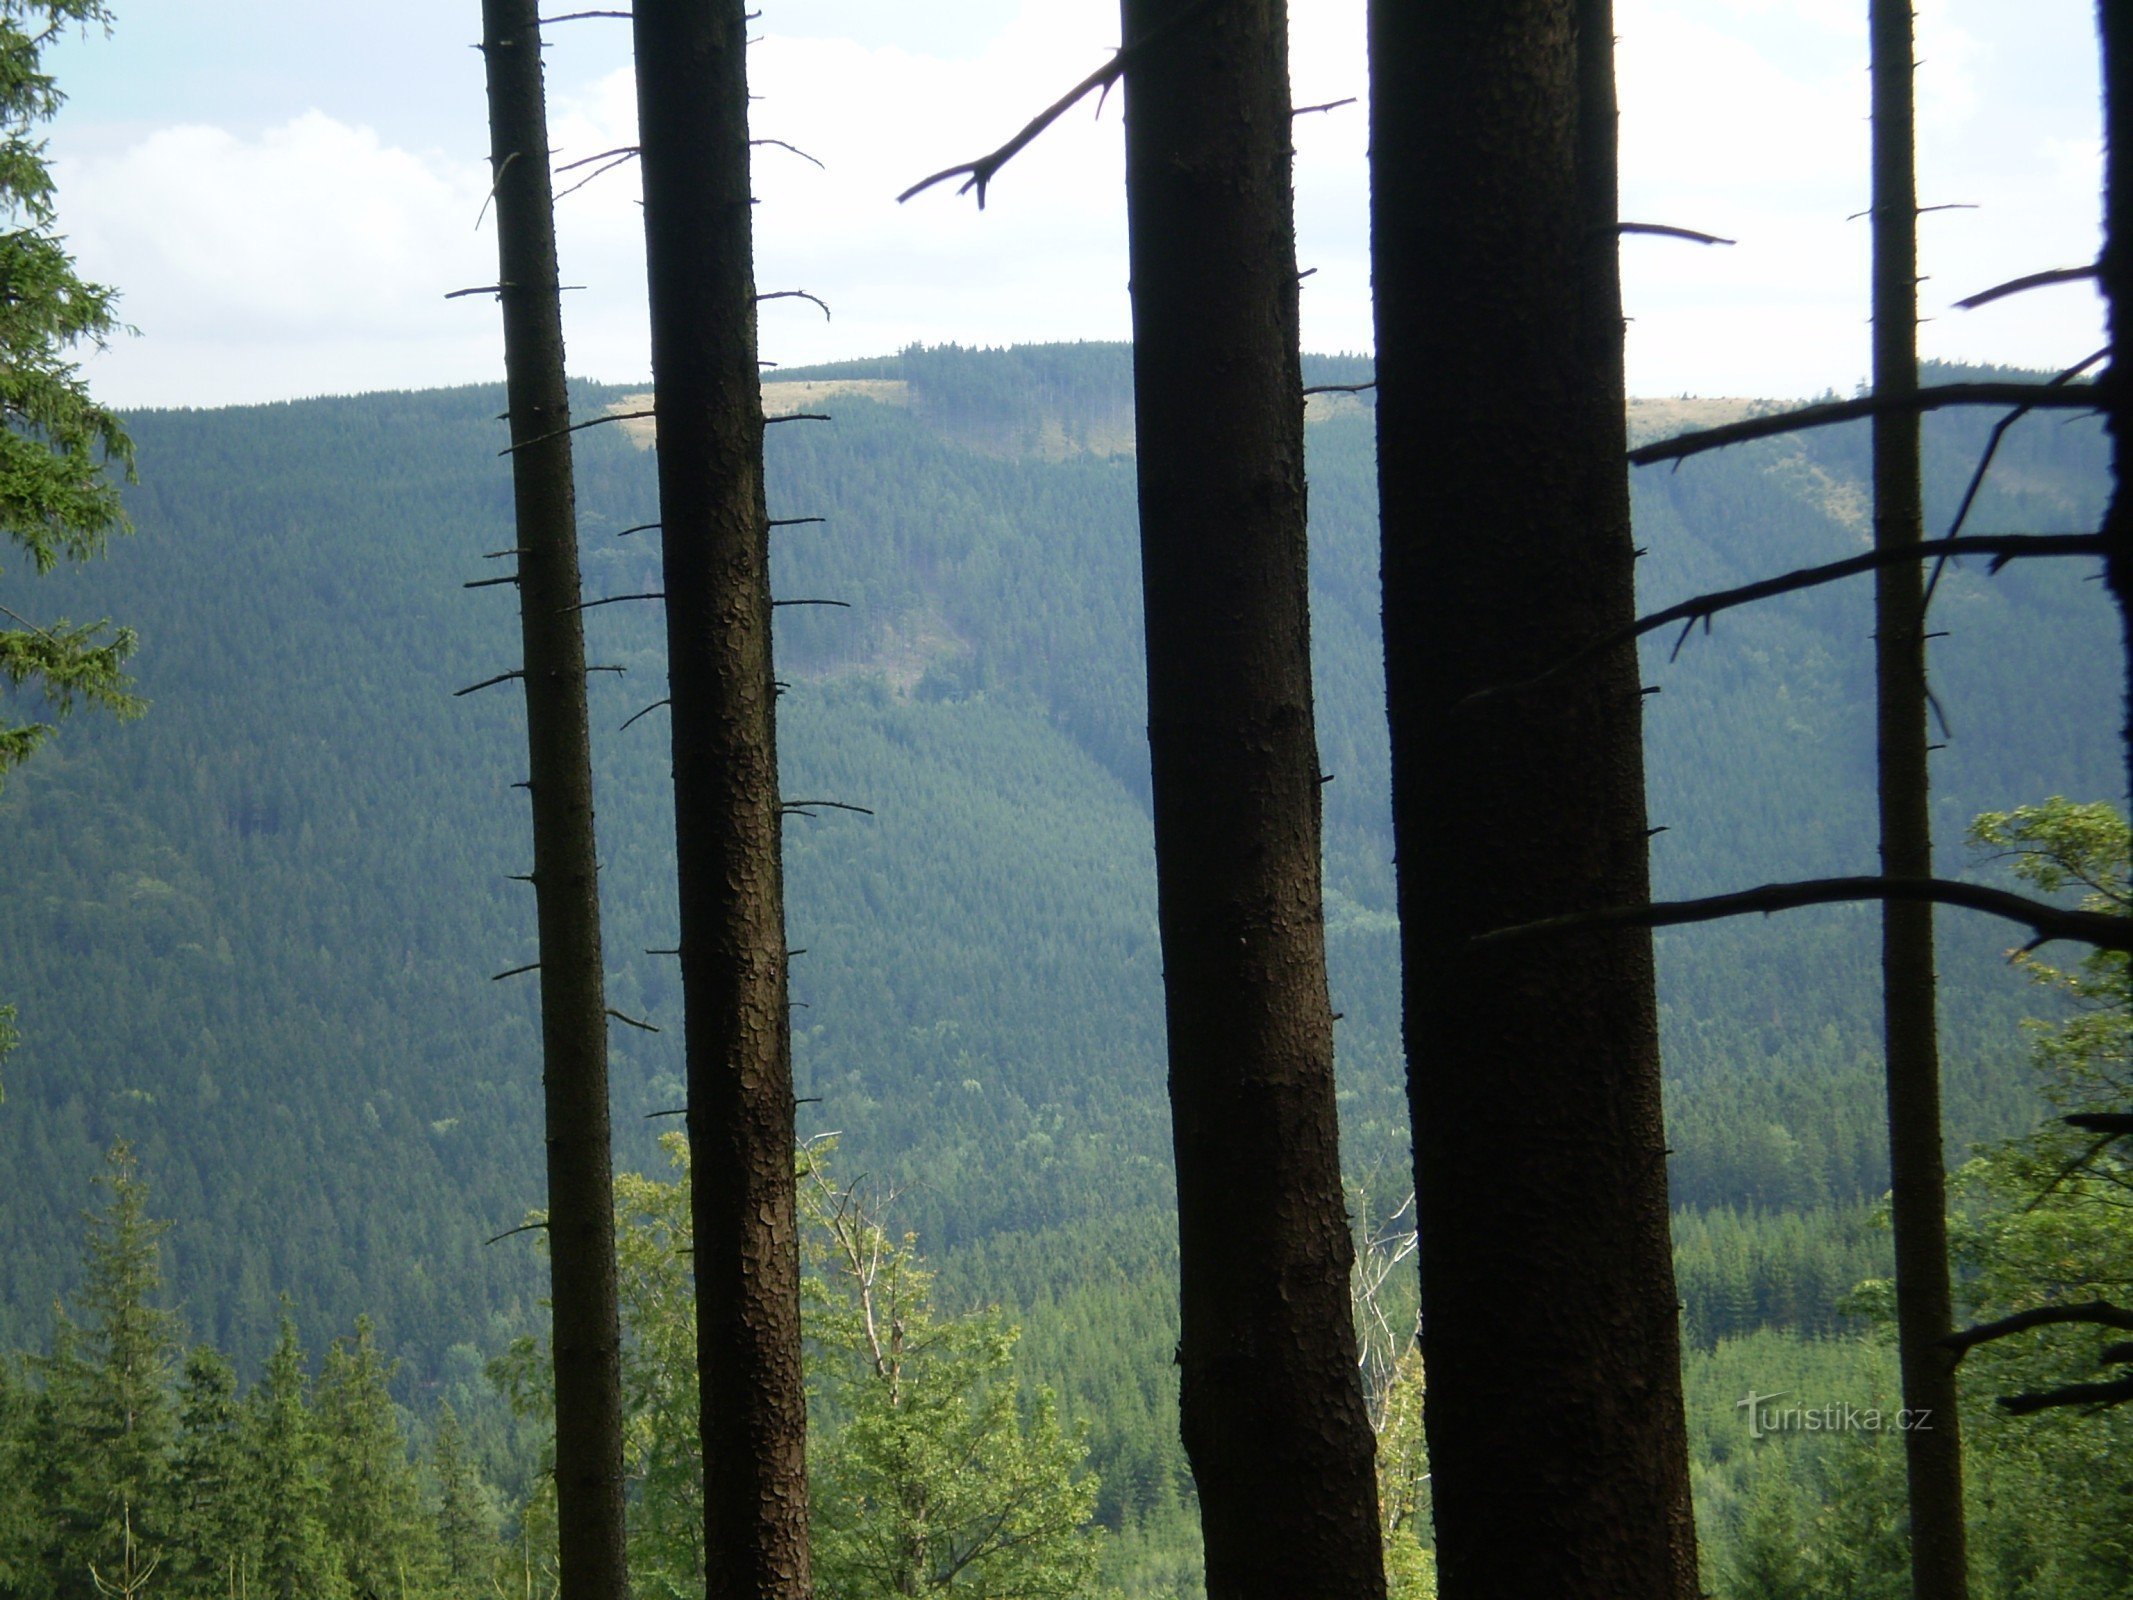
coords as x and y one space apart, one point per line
2115 18
1555 1420
1272 1407
692 99
1910 1027
586 1333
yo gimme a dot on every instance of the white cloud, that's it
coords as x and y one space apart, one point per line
313 256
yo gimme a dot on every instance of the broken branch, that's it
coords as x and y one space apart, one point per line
489 683
797 294
647 711
1666 231
980 173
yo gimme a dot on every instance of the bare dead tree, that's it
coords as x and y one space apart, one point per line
1385 1330
2115 274
692 99
586 1333
1909 990
1272 1413
1556 1436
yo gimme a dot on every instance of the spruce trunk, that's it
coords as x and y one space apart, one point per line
692 100
1555 1424
2116 23
1917 1175
1272 1408
586 1334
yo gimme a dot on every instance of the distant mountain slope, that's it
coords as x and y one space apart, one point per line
255 931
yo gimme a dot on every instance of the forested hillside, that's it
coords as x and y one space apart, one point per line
255 932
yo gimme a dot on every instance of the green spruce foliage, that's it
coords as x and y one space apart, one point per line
296 1559
57 500
466 1519
257 930
214 1501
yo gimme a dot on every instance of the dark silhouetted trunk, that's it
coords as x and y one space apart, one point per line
1917 1175
1273 1415
581 1208
692 102
1555 1423
2117 28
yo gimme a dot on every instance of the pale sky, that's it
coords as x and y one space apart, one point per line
285 190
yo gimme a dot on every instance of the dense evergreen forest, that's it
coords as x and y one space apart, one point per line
254 934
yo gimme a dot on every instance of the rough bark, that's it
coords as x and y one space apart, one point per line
692 99
586 1334
2116 278
1272 1408
1910 1028
1555 1421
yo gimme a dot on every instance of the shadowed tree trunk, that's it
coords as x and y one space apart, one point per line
692 101
1555 1423
1272 1408
2117 282
1917 1176
587 1339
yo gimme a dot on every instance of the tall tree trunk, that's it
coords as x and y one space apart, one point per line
692 102
1555 1420
2115 19
1917 1176
587 1337
1273 1415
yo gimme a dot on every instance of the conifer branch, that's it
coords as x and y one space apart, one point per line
2033 280
2048 922
1992 450
793 148
576 427
1668 231
1931 398
979 174
2002 547
641 715
2117 1124
2092 1313
489 683
2116 1392
797 294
